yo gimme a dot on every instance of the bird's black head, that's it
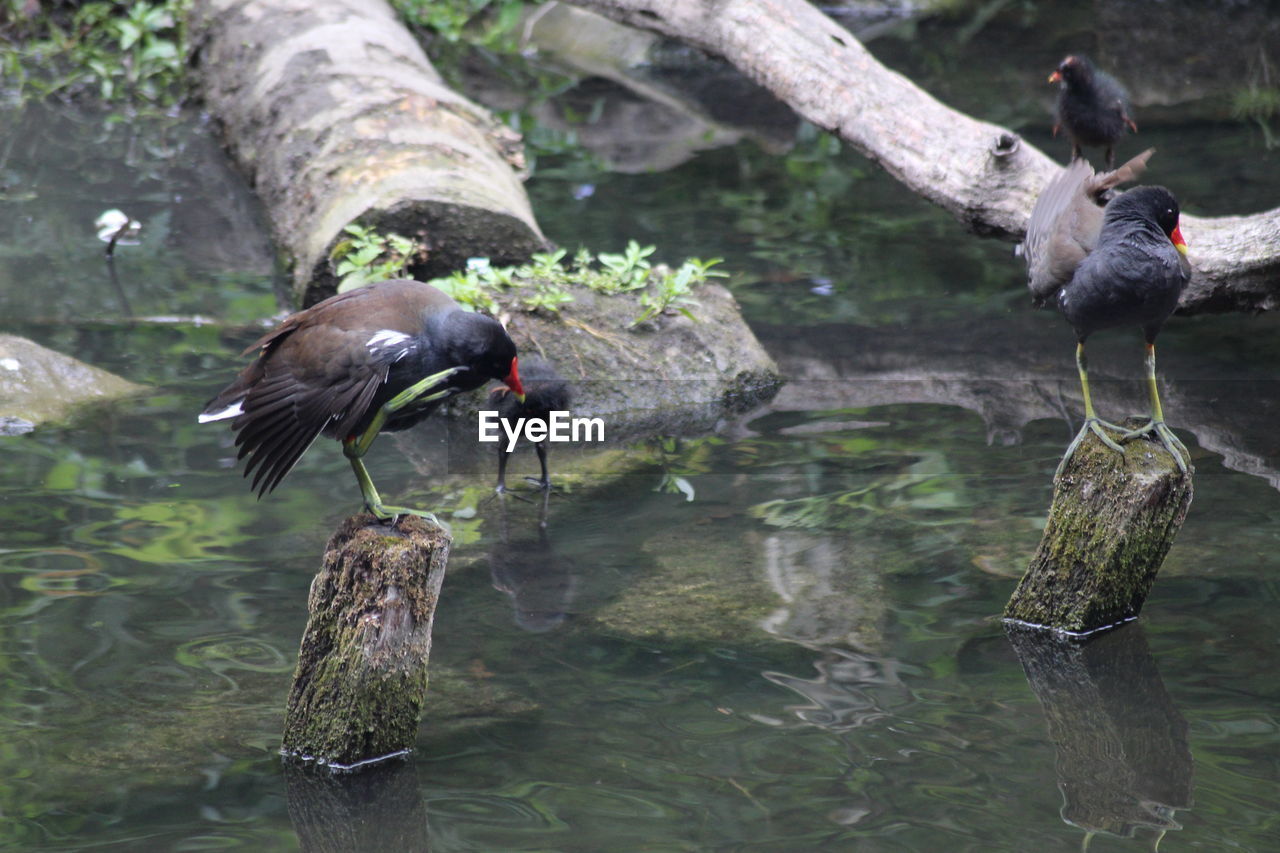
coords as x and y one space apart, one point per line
1074 70
547 391
1149 204
1156 204
481 344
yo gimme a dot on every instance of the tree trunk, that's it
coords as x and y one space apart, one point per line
337 116
1111 523
361 678
983 174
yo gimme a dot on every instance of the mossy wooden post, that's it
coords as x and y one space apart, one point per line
361 678
1112 521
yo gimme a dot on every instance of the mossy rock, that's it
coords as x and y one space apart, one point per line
39 385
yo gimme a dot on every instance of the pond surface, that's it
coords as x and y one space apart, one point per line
784 637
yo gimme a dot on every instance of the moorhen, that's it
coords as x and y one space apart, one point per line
1092 107
1133 276
545 391
1066 220
378 358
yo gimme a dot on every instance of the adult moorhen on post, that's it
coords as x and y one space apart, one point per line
545 391
1133 276
378 358
1066 221
1092 107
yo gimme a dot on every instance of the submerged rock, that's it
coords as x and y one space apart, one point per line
39 385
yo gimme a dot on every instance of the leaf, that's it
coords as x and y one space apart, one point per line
129 34
365 255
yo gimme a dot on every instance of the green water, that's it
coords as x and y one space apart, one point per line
805 656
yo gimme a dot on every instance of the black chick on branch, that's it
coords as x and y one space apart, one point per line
545 391
379 358
1092 107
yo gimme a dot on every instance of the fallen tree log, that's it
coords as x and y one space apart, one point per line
983 174
337 116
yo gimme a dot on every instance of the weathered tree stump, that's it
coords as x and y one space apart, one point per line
361 679
1110 525
337 115
1123 759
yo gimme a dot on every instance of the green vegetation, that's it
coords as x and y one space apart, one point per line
366 256
488 23
544 283
112 49
1258 104
673 289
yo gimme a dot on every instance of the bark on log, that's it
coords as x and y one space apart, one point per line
361 678
1123 760
983 174
1111 524
337 116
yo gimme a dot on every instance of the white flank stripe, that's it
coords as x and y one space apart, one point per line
229 412
386 339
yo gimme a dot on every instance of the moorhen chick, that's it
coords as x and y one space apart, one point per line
1133 276
545 391
1092 107
378 358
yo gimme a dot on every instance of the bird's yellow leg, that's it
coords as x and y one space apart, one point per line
418 392
1092 423
373 501
1157 425
354 447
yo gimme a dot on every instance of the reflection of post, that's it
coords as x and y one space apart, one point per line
362 670
380 809
1123 759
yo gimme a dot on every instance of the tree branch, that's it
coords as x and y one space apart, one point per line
984 175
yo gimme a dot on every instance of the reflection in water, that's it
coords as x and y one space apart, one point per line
379 808
540 582
829 594
844 695
1123 759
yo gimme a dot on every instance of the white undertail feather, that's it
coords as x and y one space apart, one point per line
231 411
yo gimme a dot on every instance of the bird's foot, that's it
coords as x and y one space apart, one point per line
543 485
1098 427
1170 441
502 491
391 514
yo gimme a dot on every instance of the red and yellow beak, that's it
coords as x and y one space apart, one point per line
513 380
1055 77
1178 243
